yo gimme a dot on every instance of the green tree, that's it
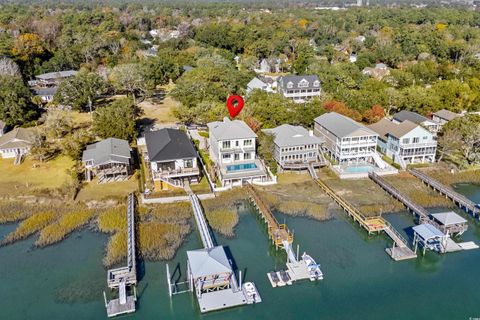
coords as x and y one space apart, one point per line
117 120
16 107
266 149
129 78
80 91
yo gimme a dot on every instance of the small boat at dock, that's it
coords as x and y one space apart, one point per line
312 267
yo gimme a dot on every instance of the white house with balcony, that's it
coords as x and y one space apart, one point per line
299 88
351 145
296 147
172 157
232 147
405 142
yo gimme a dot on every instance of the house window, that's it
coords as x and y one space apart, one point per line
425 138
236 157
237 143
316 83
247 156
303 84
188 163
226 156
226 144
290 85
406 141
416 140
247 142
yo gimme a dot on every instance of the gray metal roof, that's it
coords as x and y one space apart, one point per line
256 83
208 262
427 231
56 75
409 115
284 80
45 91
342 126
448 218
169 144
230 129
386 127
17 138
287 135
447 114
108 150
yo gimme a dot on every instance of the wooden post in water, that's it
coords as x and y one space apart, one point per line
105 298
169 281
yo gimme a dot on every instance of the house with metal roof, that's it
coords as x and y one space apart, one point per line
346 141
52 78
257 84
109 160
299 88
172 157
414 117
405 142
16 143
296 147
232 146
442 117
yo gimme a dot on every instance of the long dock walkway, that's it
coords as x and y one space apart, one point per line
120 278
201 222
416 209
400 249
460 200
278 233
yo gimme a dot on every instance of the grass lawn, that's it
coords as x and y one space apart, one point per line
159 110
81 119
293 177
114 190
201 187
31 175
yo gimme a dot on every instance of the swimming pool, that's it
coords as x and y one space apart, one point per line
359 169
243 166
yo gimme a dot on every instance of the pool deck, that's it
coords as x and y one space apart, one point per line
363 169
259 171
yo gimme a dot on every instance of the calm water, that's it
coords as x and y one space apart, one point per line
361 282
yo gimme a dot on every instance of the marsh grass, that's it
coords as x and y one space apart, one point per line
116 248
112 220
448 178
66 224
13 211
167 213
160 241
223 221
29 226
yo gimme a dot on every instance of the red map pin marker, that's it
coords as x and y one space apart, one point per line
233 109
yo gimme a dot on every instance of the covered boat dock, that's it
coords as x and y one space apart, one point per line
449 222
430 238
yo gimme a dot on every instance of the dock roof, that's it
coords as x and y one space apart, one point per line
427 231
342 126
208 262
448 218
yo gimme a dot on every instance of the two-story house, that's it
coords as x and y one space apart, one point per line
299 88
232 147
16 143
347 141
172 157
296 147
414 117
405 142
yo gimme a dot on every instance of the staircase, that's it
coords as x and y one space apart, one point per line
18 159
173 182
401 162
378 160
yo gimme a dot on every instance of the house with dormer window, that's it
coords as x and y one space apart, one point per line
299 88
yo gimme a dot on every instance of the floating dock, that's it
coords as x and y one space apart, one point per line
210 273
460 200
125 277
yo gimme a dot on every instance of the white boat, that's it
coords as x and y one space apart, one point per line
312 267
251 293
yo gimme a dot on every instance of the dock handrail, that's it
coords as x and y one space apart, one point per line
397 234
131 233
415 208
201 222
453 195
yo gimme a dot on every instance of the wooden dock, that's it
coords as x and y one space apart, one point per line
121 278
460 200
416 209
278 233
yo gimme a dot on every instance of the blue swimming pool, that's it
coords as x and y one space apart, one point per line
359 169
243 166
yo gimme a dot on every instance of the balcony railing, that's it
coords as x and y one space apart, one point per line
419 145
176 172
237 148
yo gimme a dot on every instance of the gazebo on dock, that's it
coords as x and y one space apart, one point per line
209 270
430 238
449 222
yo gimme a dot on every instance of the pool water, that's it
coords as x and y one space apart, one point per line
243 166
359 169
